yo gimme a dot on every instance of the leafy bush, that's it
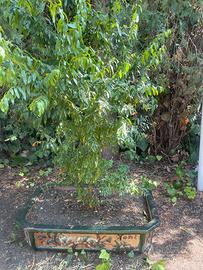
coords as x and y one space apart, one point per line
84 73
173 130
183 184
23 138
173 122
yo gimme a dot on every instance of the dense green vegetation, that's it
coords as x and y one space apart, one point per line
79 77
175 123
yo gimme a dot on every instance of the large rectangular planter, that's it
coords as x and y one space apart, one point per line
52 237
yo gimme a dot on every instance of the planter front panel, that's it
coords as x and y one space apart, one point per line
87 241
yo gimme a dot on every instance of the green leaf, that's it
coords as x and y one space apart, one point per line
180 172
72 25
39 105
127 67
4 104
53 10
131 254
171 191
29 7
118 27
159 157
174 199
104 266
22 92
59 26
104 255
24 76
142 143
11 138
16 92
120 74
53 77
32 184
160 265
2 55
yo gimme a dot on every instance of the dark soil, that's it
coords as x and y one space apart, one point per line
179 239
62 207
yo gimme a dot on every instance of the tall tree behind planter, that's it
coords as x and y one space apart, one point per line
85 71
181 74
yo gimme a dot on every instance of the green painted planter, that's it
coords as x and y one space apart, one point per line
52 237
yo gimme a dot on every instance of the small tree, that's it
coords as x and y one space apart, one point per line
85 70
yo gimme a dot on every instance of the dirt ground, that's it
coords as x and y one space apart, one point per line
178 241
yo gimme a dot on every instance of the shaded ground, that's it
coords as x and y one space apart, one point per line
179 239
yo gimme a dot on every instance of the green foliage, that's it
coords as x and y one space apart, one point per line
159 265
106 261
183 185
136 142
84 73
22 140
45 172
191 140
69 257
174 125
39 33
190 192
114 180
181 73
131 254
148 184
1 166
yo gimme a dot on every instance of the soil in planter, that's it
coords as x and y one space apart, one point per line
60 207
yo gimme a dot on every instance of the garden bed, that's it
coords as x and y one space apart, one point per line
59 206
54 219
